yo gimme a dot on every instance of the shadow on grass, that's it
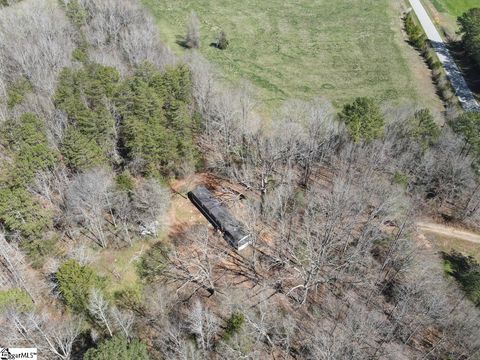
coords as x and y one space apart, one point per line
180 40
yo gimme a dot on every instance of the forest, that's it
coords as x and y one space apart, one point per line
103 129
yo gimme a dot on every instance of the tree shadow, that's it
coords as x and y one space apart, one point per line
180 40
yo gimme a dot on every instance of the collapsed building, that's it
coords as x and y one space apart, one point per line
219 216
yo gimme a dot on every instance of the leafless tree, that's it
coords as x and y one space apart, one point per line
99 309
204 325
87 201
51 336
150 202
47 50
123 35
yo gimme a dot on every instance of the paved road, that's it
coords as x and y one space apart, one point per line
465 95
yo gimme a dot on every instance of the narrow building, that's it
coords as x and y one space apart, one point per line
221 219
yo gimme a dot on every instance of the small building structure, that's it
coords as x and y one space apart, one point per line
219 216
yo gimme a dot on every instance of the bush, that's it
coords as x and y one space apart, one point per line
17 91
222 41
118 348
415 32
152 264
125 181
235 324
363 119
76 13
75 282
16 299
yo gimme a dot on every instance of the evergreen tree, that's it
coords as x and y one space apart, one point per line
423 128
76 282
86 96
363 119
118 348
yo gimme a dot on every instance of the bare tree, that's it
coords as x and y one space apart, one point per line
88 201
150 202
50 335
49 45
204 325
123 34
99 309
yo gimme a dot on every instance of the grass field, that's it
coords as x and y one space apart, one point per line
338 49
448 243
455 7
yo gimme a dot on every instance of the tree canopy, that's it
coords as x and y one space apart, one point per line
363 119
118 348
76 282
470 28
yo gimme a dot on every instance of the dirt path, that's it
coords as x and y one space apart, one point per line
449 231
464 94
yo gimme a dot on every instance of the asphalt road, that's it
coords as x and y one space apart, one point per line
463 92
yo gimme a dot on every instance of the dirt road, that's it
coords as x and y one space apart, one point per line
449 231
464 94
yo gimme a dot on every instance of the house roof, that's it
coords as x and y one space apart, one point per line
219 216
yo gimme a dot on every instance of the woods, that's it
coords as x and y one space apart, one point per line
100 259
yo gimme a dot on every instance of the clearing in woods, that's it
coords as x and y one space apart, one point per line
448 238
301 49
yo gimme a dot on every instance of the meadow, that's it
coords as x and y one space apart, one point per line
455 7
337 49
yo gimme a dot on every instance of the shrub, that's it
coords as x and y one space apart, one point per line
415 32
222 41
17 91
401 179
235 324
363 119
152 264
118 348
16 299
125 181
192 39
76 13
75 282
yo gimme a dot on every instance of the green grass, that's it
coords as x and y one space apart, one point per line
448 244
337 49
455 7
120 266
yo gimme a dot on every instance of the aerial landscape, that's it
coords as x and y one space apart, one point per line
219 179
